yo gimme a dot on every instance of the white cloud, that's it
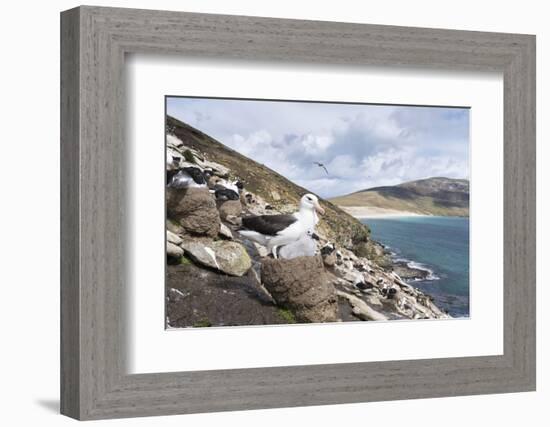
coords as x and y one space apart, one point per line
361 145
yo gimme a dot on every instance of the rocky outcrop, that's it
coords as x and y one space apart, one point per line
226 256
383 291
361 309
302 286
408 272
194 209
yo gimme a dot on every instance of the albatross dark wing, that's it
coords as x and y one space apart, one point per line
226 194
268 225
196 174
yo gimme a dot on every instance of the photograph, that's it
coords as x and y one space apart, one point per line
285 212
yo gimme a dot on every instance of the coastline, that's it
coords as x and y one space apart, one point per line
375 212
430 253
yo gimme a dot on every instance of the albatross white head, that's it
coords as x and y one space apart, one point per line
310 203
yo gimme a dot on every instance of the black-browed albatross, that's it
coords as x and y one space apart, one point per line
278 230
187 177
227 190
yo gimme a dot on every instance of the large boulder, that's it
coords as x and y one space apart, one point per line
303 286
194 209
223 255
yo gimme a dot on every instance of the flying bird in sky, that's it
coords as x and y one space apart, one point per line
321 166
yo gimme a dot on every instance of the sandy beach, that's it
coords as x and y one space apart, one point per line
374 212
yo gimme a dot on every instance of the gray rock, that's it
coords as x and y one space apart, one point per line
225 231
194 209
302 286
225 256
174 227
173 250
173 238
260 250
361 309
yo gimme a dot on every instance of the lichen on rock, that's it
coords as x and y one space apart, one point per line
226 256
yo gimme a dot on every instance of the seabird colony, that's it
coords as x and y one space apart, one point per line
273 231
293 233
182 175
187 177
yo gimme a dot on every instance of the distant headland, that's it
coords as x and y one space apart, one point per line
437 196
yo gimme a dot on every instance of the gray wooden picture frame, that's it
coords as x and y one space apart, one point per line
94 41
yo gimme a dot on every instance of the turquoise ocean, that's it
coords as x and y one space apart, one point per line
437 244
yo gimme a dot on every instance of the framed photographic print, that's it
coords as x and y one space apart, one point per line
345 212
254 210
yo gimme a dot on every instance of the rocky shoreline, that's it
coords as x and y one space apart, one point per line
216 277
408 273
406 269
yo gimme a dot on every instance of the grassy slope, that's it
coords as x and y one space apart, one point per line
336 224
414 197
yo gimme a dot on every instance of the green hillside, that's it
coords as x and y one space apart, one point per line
431 196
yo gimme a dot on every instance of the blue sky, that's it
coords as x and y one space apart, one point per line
362 146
